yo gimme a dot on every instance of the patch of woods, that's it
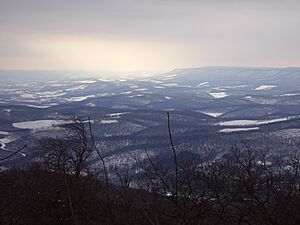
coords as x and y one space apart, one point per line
63 189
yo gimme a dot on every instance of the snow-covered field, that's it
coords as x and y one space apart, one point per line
170 85
81 87
38 106
85 81
117 115
28 95
230 130
126 92
236 86
80 98
219 94
254 122
50 94
108 121
6 140
213 114
290 94
265 87
38 124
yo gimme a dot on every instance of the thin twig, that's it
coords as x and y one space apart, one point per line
105 172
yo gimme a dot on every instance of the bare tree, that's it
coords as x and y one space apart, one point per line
69 152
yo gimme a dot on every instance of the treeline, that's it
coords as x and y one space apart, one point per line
244 187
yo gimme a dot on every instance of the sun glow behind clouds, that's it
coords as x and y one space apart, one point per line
147 35
90 53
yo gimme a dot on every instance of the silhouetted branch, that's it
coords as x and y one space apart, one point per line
174 155
105 173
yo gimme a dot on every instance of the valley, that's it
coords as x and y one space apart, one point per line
211 110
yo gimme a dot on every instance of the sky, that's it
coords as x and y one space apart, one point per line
143 35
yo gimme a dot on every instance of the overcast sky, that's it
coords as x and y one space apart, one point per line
148 34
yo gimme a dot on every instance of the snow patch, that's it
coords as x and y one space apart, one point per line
126 92
230 130
81 87
265 87
219 94
117 115
254 122
170 85
50 94
290 94
236 86
140 95
28 95
156 81
38 106
6 110
213 114
85 81
7 140
38 124
91 104
80 98
203 84
169 77
106 80
108 121
4 132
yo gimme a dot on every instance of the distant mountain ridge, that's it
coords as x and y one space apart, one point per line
236 75
191 74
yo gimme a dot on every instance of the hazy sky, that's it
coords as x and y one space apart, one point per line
148 34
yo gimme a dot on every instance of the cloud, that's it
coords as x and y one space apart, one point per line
169 33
